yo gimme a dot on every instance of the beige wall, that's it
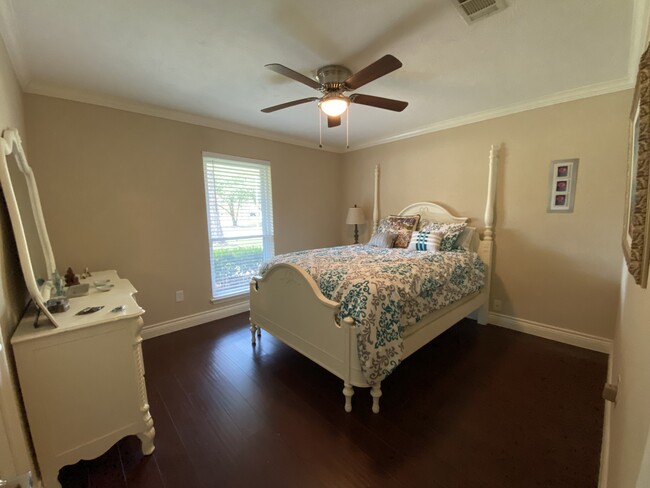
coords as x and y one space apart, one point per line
555 269
12 288
125 191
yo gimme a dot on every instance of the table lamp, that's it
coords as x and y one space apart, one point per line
355 217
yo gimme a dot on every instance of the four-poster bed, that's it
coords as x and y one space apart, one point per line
287 303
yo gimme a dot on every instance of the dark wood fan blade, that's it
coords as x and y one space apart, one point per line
294 75
288 104
333 121
376 70
379 102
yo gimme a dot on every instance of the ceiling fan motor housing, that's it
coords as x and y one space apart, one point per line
332 76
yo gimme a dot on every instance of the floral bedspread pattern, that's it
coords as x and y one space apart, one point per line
384 290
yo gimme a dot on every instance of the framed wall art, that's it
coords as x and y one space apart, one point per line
636 227
564 173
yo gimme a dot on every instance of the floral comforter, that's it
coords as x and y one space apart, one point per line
384 290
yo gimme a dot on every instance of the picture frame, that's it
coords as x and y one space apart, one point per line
636 222
563 177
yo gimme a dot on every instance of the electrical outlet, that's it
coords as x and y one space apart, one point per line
496 305
180 295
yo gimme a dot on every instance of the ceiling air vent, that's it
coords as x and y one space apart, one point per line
473 10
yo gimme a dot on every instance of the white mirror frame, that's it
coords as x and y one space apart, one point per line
11 144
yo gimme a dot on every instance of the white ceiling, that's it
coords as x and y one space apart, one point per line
203 60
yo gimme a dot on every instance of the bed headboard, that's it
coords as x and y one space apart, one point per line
435 213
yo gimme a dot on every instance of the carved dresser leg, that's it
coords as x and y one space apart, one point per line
348 391
375 392
146 437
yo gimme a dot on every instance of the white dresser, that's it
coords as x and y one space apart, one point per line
83 381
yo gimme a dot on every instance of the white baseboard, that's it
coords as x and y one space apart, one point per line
586 341
604 450
155 330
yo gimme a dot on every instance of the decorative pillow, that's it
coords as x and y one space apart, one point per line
425 241
382 239
451 232
402 225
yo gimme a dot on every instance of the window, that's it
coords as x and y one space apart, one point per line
240 220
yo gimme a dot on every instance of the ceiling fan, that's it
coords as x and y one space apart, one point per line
334 81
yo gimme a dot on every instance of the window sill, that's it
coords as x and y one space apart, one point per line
230 300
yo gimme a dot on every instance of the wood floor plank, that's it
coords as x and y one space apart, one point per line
106 471
139 470
480 406
172 459
75 476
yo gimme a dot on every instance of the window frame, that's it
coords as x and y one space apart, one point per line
266 204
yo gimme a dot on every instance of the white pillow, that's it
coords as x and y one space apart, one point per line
425 241
382 239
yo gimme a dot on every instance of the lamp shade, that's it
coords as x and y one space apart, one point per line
355 216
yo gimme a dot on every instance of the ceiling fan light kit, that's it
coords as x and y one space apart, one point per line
334 105
334 81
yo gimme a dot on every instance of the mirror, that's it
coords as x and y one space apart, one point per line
23 203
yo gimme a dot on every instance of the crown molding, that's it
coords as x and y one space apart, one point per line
12 44
169 114
557 98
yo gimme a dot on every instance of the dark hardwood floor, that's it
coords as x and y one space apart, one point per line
480 406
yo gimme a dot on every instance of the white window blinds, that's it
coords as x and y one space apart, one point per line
240 220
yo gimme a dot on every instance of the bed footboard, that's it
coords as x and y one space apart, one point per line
286 303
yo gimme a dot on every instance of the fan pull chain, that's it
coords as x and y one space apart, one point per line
347 129
320 129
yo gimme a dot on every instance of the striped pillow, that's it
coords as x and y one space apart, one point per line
382 239
450 232
426 241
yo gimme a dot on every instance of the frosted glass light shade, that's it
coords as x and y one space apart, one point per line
334 106
355 216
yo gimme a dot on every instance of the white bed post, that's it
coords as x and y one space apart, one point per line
375 208
486 251
375 393
492 189
348 390
254 329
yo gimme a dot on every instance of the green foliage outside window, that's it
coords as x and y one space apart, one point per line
237 262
